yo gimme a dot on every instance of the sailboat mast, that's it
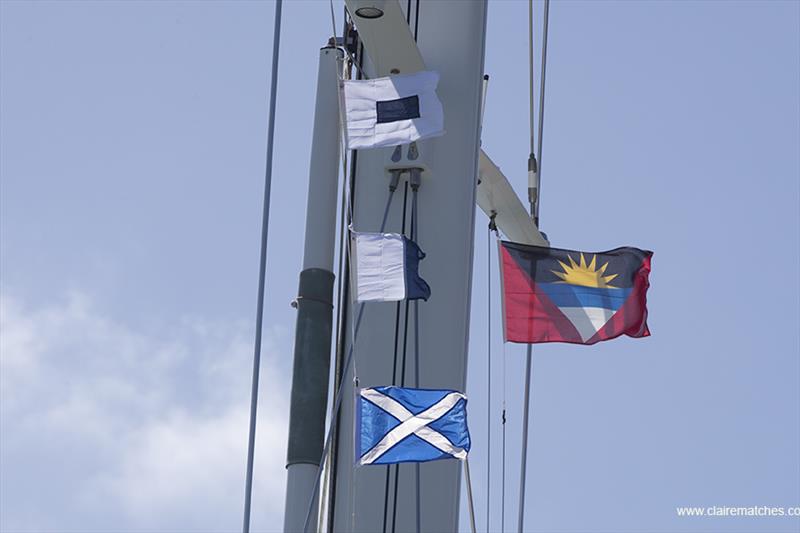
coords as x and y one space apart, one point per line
449 40
314 302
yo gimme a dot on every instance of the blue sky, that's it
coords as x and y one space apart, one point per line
132 142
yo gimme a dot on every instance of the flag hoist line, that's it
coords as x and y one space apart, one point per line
534 177
414 227
415 185
394 382
488 336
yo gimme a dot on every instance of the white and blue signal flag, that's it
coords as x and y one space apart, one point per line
402 425
385 268
392 110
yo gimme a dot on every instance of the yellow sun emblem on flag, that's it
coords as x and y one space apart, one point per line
585 275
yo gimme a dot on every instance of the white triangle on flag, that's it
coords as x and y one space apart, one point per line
587 320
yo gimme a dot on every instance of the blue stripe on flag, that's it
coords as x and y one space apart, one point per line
566 295
416 287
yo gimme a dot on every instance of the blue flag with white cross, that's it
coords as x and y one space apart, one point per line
401 425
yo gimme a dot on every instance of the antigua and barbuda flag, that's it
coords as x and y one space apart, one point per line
402 425
391 111
385 268
553 295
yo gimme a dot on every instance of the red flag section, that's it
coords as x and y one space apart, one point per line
531 316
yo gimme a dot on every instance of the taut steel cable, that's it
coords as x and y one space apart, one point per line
262 270
535 209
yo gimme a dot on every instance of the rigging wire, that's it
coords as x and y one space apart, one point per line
535 209
402 374
402 384
532 199
405 333
503 478
533 175
541 103
416 22
414 229
489 376
251 441
493 228
524 458
333 24
530 73
343 46
394 382
469 496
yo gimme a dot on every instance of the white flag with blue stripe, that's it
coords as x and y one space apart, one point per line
401 425
385 268
392 110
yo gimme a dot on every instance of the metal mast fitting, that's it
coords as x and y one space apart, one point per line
314 302
533 188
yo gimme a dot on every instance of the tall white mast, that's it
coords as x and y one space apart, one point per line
450 40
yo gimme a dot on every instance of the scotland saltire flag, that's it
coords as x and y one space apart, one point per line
401 425
552 295
385 268
392 110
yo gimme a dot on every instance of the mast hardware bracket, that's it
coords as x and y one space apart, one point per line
412 173
296 302
402 161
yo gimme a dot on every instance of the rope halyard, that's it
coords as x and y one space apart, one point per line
489 229
415 184
469 496
403 369
493 228
524 458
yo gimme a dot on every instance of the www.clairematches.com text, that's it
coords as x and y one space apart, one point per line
752 511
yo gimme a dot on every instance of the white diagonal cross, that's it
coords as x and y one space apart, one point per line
412 424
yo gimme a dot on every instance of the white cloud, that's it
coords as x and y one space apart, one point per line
106 427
